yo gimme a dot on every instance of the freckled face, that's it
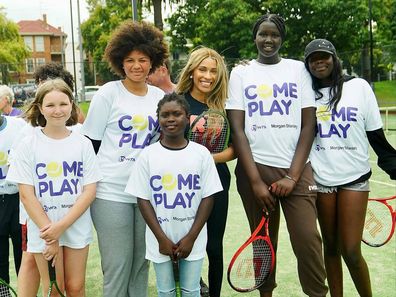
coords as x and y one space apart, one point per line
137 66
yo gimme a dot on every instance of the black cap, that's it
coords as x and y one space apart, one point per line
319 45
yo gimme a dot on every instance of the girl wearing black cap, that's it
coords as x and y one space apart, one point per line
272 112
346 112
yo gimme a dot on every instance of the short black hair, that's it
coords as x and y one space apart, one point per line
53 70
274 18
179 99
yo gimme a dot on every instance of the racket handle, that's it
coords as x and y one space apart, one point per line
51 271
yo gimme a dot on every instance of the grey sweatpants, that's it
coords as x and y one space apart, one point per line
300 214
121 235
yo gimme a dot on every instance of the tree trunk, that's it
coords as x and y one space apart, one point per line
157 4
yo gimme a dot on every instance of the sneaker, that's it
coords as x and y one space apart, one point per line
204 289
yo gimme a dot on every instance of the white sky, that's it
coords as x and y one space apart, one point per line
57 11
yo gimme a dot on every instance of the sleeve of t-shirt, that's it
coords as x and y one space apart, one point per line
211 183
138 182
91 172
373 116
307 92
235 90
99 112
21 165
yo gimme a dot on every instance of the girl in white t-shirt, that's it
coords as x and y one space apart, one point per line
174 180
347 116
56 172
271 109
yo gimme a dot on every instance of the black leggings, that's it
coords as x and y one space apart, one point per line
9 228
216 227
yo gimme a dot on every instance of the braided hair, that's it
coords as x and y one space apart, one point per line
273 18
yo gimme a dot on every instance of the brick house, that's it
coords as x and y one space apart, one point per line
47 44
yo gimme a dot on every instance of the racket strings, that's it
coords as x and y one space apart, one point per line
4 291
253 266
378 223
211 131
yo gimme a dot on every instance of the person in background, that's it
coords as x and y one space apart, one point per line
161 78
121 122
348 119
54 70
10 128
204 83
271 107
6 101
176 233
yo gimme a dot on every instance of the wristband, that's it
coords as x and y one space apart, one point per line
289 177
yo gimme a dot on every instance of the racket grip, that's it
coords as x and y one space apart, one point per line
51 271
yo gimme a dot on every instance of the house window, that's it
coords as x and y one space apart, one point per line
40 61
28 42
39 42
29 65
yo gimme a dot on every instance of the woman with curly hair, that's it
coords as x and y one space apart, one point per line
121 121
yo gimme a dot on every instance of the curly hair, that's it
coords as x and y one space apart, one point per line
53 70
33 113
218 95
140 36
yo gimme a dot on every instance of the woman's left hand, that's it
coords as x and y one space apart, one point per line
283 187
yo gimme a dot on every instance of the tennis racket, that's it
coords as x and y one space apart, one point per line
53 283
6 290
211 129
176 276
380 222
253 262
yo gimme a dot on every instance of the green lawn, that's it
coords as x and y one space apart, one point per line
385 92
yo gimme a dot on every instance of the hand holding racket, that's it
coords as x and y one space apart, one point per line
6 290
380 222
253 262
212 130
53 282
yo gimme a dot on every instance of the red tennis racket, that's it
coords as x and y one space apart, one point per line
380 222
253 262
211 129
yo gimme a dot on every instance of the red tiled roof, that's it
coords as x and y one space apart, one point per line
37 27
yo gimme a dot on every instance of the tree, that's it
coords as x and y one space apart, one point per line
13 51
224 24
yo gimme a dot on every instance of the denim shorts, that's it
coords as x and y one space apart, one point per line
358 187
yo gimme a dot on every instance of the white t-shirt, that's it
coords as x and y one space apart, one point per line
272 97
125 124
339 153
175 182
58 170
9 138
27 131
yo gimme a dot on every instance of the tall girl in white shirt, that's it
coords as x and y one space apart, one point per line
57 173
